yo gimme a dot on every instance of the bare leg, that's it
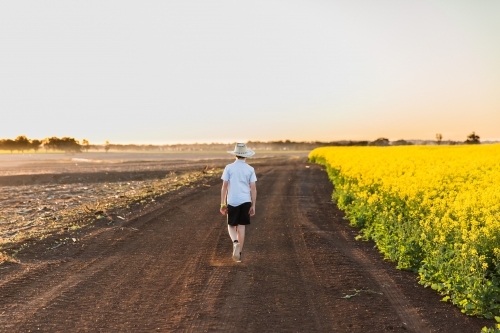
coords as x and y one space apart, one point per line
232 232
241 235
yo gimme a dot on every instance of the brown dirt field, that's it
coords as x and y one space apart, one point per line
168 267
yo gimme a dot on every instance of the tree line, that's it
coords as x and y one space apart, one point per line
71 145
22 143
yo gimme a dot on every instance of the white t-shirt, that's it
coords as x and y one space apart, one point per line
239 175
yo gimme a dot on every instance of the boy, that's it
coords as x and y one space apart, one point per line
238 196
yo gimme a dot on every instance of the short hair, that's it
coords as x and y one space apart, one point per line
240 157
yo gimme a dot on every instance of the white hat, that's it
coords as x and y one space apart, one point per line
240 149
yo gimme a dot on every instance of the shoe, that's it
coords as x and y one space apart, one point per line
241 257
236 251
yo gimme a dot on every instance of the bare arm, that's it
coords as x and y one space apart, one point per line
223 197
253 194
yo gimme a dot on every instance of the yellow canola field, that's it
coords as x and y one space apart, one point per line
432 209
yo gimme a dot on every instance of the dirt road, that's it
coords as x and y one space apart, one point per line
168 268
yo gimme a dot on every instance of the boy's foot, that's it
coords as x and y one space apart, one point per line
236 251
240 258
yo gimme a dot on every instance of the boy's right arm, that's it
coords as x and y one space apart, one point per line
253 195
223 197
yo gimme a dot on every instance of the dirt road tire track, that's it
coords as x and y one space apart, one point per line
169 268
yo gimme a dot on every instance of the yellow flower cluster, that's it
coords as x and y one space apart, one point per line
432 209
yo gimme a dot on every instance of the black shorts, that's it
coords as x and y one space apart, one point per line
238 214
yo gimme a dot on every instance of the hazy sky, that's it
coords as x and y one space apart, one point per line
225 71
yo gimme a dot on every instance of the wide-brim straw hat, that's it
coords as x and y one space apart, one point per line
240 149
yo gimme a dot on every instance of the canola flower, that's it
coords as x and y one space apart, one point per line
431 209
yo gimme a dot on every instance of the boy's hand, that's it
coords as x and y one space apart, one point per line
251 212
223 210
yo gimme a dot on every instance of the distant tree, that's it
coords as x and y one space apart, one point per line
351 143
107 146
10 145
22 143
439 137
45 144
401 143
472 139
380 142
85 145
3 144
66 144
35 144
69 145
51 143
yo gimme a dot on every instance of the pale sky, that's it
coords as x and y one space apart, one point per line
225 71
